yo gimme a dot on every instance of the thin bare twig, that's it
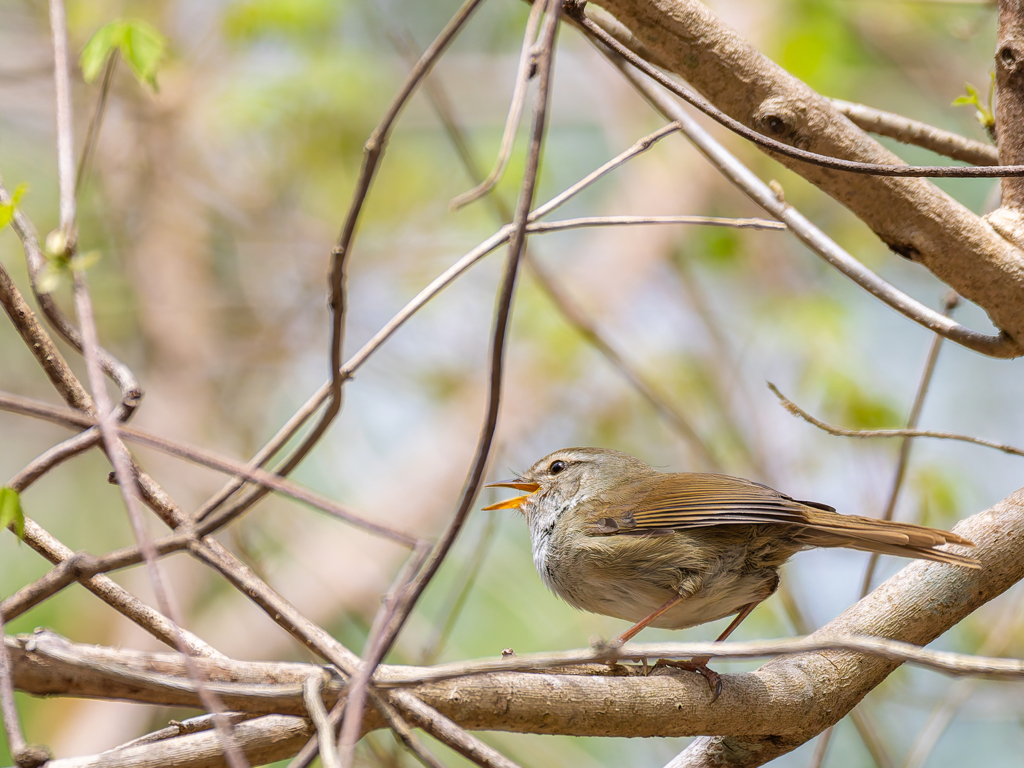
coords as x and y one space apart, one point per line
446 730
311 691
618 221
287 431
16 743
38 341
821 748
36 261
905 444
53 457
796 410
180 728
92 134
355 702
373 150
515 112
946 662
464 582
357 687
503 310
404 734
65 132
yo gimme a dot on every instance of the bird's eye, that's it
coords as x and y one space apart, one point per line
556 467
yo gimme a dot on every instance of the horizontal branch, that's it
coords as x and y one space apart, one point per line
788 699
45 661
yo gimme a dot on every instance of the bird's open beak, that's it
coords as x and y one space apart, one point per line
518 500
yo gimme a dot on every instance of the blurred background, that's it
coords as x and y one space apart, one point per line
215 202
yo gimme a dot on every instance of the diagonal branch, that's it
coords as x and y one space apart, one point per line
911 216
1001 346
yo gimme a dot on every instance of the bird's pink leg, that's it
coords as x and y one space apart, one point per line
630 633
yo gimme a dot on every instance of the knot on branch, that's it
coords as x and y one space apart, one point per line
781 120
904 248
1009 57
32 756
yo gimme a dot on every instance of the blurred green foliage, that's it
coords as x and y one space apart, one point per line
855 407
298 21
820 44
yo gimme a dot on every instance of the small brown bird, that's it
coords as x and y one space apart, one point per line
614 536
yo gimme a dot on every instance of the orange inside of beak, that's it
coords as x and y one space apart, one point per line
518 500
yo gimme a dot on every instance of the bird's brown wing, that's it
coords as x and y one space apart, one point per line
694 500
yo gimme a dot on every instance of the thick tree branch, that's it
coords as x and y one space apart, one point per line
912 216
769 711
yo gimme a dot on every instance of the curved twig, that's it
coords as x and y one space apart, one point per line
311 691
331 392
515 112
121 374
323 394
796 410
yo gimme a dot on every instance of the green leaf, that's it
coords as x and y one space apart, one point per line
983 112
11 512
100 46
140 44
248 20
7 209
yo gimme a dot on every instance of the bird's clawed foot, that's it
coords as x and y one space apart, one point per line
700 666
